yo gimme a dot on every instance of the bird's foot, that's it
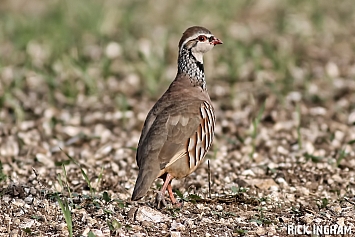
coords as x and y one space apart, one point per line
160 201
179 204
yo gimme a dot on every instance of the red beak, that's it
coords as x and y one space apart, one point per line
216 41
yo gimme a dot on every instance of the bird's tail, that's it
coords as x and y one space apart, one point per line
144 180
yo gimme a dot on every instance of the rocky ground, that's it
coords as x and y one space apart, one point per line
301 172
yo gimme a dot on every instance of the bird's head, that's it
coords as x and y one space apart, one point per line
198 40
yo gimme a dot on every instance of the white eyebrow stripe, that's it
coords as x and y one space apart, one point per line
195 36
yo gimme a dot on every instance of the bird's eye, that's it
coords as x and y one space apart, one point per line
202 38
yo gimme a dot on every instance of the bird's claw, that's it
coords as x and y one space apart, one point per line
160 201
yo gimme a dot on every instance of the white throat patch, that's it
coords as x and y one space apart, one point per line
198 56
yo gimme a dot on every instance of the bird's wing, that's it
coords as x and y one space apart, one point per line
166 140
189 138
169 132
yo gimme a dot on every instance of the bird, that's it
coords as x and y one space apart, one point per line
179 128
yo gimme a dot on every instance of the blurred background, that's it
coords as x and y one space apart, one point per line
109 54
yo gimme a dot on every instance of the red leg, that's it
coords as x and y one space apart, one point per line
172 198
160 197
170 190
166 184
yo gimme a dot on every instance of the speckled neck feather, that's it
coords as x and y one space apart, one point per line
188 64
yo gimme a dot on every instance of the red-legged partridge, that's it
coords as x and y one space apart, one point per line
179 129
